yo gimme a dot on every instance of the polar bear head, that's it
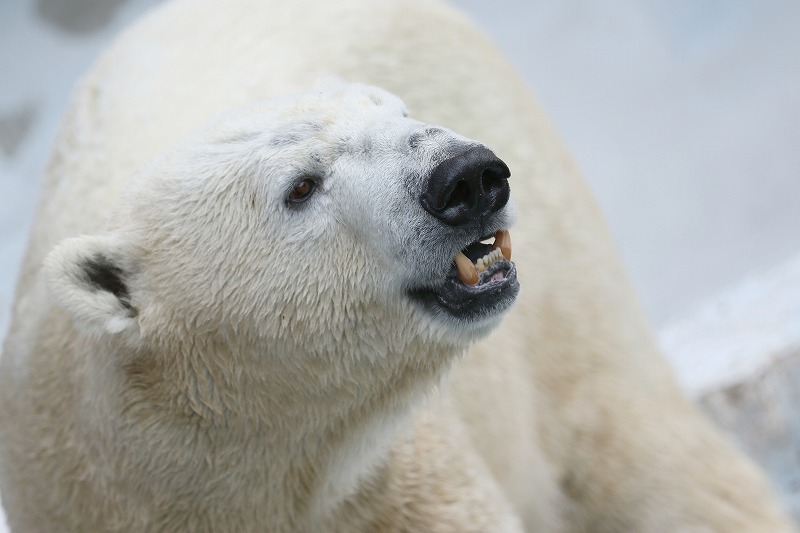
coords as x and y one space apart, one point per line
325 223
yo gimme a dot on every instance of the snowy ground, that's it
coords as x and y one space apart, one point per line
683 115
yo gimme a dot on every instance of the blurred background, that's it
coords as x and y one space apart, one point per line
684 116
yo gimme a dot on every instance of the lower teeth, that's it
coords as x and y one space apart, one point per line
468 273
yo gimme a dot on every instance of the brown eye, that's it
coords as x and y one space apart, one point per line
302 190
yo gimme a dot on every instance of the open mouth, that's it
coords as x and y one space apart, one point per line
482 281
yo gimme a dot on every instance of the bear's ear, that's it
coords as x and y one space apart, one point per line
90 278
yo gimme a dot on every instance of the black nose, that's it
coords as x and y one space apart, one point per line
469 186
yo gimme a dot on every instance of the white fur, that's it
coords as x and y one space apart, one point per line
263 368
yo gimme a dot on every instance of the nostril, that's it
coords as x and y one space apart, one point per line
461 196
494 180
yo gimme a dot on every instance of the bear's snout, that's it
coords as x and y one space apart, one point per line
468 186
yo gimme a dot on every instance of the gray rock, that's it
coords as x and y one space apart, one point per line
78 16
14 127
762 415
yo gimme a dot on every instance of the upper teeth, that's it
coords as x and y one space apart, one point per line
466 270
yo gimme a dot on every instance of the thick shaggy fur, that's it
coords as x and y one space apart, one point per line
198 357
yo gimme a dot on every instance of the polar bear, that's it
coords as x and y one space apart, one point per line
242 311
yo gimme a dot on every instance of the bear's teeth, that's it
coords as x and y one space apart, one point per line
466 270
502 241
488 260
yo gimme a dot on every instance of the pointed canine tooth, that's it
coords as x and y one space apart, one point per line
466 270
502 241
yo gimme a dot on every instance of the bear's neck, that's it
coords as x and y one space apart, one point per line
307 430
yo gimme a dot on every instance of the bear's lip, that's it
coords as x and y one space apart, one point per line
494 292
